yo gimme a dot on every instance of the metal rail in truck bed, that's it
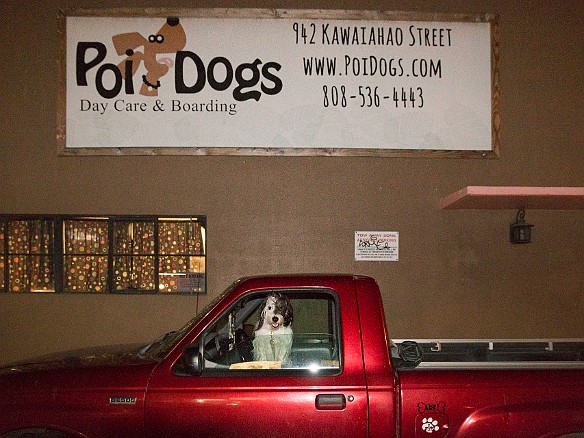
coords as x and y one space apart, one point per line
488 354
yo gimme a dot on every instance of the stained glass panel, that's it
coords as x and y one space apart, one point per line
134 273
182 261
86 246
133 237
30 253
134 263
181 238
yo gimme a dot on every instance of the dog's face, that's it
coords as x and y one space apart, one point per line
277 312
170 38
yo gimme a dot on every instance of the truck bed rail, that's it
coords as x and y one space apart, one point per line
491 354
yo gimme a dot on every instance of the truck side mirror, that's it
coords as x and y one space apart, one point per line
190 362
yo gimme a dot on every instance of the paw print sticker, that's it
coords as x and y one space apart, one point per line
430 425
431 419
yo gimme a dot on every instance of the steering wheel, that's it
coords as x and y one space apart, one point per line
243 345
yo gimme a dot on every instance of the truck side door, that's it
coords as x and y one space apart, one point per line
316 389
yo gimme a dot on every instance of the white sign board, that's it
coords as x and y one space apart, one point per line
377 246
295 82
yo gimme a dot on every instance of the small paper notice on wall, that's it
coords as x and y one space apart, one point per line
192 282
380 246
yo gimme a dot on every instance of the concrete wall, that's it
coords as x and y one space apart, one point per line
457 276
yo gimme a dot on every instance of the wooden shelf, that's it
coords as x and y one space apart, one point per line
515 198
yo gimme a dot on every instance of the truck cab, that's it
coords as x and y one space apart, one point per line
320 388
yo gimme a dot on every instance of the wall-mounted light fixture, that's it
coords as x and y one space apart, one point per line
519 231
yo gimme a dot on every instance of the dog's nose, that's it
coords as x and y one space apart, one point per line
172 21
275 318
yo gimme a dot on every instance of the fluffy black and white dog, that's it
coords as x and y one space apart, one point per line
273 333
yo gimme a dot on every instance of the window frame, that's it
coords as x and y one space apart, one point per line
334 315
60 255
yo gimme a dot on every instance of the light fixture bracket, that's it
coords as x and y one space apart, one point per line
520 231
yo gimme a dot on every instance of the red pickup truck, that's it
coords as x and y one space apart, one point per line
299 356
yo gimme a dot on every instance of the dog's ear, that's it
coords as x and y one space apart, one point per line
287 311
172 21
260 321
174 35
126 41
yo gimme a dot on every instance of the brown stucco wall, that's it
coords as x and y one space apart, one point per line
457 276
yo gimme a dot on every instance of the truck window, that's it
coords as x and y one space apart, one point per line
276 330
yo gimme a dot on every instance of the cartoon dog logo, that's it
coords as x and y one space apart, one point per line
169 39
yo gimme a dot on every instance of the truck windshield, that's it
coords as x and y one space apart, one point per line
159 348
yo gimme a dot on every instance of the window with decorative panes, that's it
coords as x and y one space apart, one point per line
103 254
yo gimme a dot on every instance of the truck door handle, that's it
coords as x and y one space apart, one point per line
330 402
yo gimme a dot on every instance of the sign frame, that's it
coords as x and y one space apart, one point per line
228 13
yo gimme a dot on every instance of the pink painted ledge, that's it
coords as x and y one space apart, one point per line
514 197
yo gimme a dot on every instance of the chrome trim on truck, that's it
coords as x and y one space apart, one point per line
543 365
